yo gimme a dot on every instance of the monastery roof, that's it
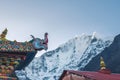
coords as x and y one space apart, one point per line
93 75
14 46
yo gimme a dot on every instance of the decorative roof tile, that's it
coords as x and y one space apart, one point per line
14 46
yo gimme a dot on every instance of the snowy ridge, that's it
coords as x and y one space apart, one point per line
73 55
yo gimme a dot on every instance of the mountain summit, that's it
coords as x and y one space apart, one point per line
111 57
72 55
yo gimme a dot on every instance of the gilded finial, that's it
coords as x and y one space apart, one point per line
102 63
3 35
5 31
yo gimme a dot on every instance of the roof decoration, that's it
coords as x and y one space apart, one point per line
3 35
17 55
13 46
102 63
103 68
8 64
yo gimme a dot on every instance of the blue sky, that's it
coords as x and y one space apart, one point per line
62 19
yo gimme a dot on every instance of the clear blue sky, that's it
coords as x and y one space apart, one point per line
62 19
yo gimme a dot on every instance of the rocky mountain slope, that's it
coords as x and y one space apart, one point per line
111 57
72 55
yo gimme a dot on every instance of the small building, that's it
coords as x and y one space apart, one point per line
15 55
12 55
102 74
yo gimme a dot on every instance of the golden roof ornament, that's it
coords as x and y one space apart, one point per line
3 35
102 63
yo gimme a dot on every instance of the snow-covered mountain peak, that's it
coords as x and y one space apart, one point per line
94 34
73 55
81 42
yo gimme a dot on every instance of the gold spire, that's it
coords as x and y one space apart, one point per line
3 35
102 63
